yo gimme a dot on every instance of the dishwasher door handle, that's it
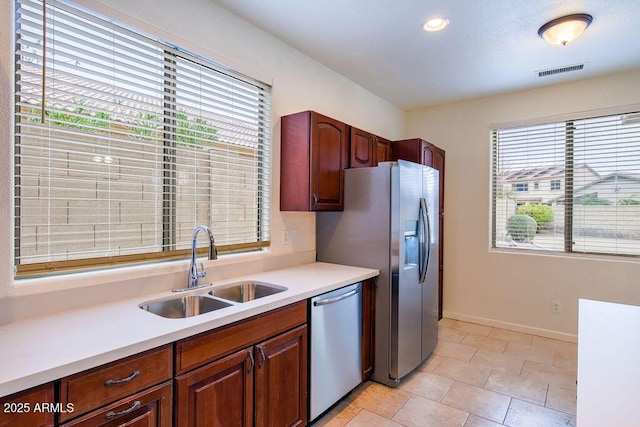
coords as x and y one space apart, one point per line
336 299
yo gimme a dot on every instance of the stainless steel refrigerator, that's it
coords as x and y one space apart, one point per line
390 222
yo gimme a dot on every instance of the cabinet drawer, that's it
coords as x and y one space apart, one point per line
27 408
150 408
206 347
94 388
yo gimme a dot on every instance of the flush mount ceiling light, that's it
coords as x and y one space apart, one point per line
435 24
565 29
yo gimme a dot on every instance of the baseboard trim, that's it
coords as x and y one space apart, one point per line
547 333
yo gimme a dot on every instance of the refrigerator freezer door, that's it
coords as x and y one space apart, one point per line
430 186
406 291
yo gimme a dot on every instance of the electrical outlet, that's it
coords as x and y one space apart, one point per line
556 307
286 238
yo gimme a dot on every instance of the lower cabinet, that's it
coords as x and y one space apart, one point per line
262 382
281 380
115 382
268 380
149 408
26 408
217 394
368 326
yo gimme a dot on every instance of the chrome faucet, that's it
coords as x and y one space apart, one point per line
194 273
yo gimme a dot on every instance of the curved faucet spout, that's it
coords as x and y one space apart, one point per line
194 273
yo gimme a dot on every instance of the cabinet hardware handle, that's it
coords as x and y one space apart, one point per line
112 415
110 383
253 361
264 358
315 200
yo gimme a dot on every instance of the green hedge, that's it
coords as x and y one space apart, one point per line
522 228
543 214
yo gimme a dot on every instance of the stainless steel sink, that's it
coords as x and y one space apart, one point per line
187 306
246 291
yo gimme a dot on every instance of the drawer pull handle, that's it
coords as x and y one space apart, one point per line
264 358
110 383
253 362
112 415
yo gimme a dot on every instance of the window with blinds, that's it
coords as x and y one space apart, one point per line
124 144
568 186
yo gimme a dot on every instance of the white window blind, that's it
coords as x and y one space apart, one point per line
124 144
578 181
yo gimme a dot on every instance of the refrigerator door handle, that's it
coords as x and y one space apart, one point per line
426 239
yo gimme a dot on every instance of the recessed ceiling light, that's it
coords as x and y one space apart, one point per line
435 24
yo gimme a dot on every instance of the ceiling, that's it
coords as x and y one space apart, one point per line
489 47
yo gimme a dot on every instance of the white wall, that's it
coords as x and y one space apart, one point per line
299 83
508 289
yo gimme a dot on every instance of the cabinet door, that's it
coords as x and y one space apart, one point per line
362 148
150 408
413 150
368 326
20 409
383 150
217 394
426 156
329 158
281 380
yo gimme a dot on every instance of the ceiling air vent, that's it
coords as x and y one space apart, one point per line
566 69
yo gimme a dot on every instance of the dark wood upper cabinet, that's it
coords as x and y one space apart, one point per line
420 151
314 154
363 149
367 149
383 150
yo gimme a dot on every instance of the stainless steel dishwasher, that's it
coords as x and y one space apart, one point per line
336 346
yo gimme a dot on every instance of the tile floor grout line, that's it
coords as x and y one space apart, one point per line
504 419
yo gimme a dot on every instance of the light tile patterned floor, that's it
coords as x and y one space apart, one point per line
478 376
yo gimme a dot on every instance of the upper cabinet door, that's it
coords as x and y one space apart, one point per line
383 150
314 154
427 153
362 149
329 159
414 150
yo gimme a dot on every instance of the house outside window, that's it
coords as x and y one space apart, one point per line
124 144
591 166
521 187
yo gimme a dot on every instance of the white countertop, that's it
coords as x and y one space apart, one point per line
36 351
608 364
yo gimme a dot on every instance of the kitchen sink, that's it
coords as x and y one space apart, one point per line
187 306
246 291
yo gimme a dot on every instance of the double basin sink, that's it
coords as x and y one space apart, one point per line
217 298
